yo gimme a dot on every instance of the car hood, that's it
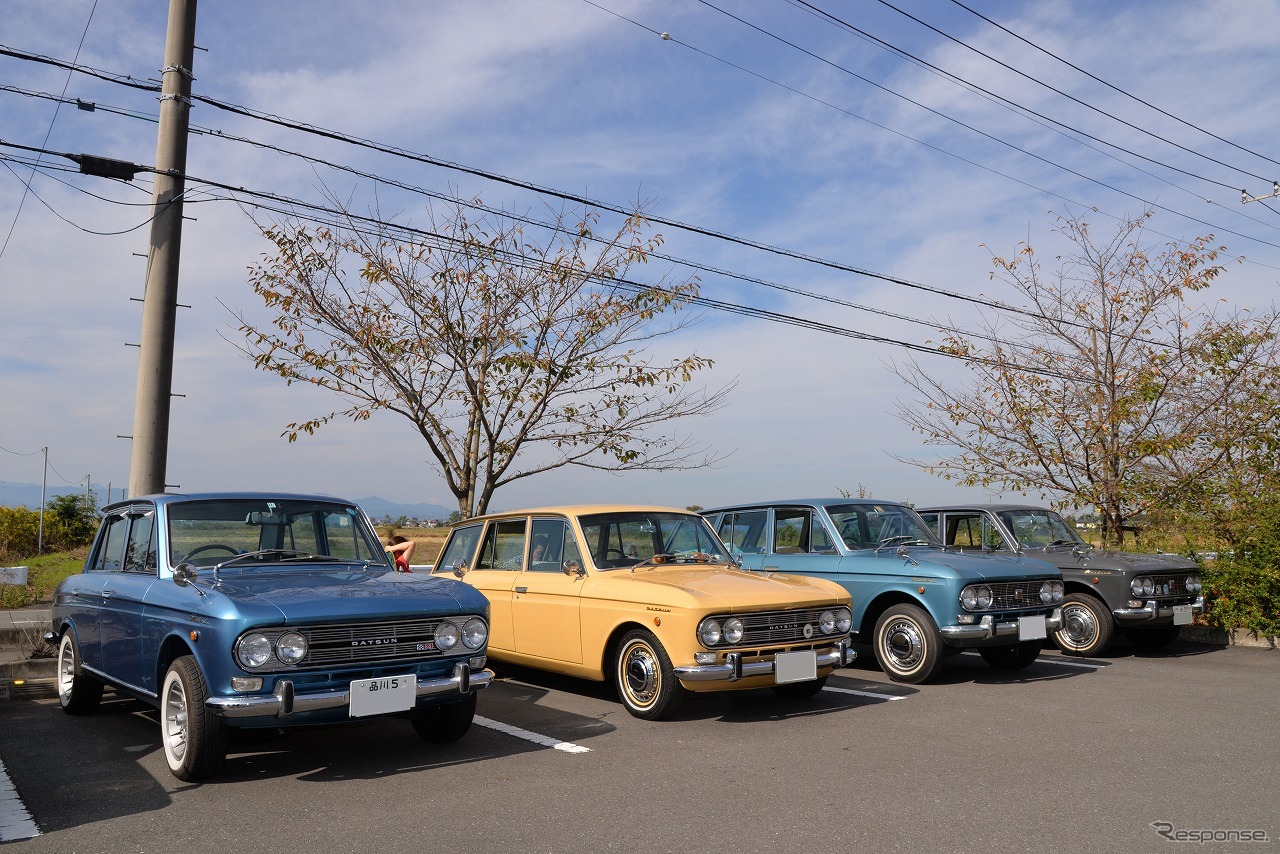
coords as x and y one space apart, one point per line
348 594
1133 562
730 588
975 567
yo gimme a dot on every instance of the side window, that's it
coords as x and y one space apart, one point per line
140 554
553 544
964 531
744 531
991 536
111 545
461 546
790 531
931 519
503 546
819 539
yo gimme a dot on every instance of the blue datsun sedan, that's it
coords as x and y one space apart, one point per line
262 610
913 600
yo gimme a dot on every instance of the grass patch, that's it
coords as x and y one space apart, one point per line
44 573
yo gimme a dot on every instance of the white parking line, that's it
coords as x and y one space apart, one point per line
873 695
545 741
15 821
1061 662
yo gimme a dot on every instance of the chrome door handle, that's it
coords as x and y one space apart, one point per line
522 589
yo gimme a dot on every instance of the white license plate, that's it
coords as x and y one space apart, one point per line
382 695
795 666
1182 615
1031 628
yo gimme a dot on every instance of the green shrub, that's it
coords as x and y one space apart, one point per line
15 596
1242 595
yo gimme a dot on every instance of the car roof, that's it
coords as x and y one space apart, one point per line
181 498
577 510
994 508
812 502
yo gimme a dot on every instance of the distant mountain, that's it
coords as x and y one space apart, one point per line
377 508
28 494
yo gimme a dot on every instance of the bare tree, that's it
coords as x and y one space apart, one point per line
1112 391
510 356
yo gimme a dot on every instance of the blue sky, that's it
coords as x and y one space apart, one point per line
724 125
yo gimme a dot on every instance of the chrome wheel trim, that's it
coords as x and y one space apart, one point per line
639 674
903 644
66 669
1079 626
173 720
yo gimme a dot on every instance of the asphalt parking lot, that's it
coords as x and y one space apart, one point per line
1116 754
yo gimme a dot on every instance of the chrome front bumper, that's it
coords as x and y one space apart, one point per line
1153 611
987 627
734 668
285 702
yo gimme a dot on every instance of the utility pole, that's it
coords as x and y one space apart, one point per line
160 300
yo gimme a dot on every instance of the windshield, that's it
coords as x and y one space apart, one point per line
1039 528
624 539
871 526
248 532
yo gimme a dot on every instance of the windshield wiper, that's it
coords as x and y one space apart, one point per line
890 541
289 555
653 560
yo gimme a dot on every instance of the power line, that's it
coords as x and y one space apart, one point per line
1066 95
49 132
1113 87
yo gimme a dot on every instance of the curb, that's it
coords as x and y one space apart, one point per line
1223 637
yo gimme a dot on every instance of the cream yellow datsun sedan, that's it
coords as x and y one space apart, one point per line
648 598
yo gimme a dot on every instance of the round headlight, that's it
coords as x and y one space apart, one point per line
1059 591
709 633
984 598
844 620
1194 585
253 650
1142 586
446 636
291 647
733 630
827 622
1051 592
969 599
474 633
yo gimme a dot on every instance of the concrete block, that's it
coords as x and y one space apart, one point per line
13 575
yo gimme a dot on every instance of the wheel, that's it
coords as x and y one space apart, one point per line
1014 657
194 739
1086 625
208 547
1154 638
645 678
908 644
800 690
449 722
78 692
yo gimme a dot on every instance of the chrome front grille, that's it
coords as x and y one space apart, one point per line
1015 595
1170 585
372 643
775 627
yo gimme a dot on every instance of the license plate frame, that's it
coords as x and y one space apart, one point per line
1182 615
383 695
1032 627
799 666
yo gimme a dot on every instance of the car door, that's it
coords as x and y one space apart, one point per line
124 595
546 602
90 589
800 543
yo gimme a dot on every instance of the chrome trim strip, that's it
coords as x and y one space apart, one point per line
1153 610
989 628
735 668
278 704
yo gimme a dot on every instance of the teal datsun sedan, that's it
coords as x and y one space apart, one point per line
913 601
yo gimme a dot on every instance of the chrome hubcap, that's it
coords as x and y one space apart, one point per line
1080 627
903 644
640 673
175 720
66 671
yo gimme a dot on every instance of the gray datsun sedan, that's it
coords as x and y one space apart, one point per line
1149 598
913 601
262 610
